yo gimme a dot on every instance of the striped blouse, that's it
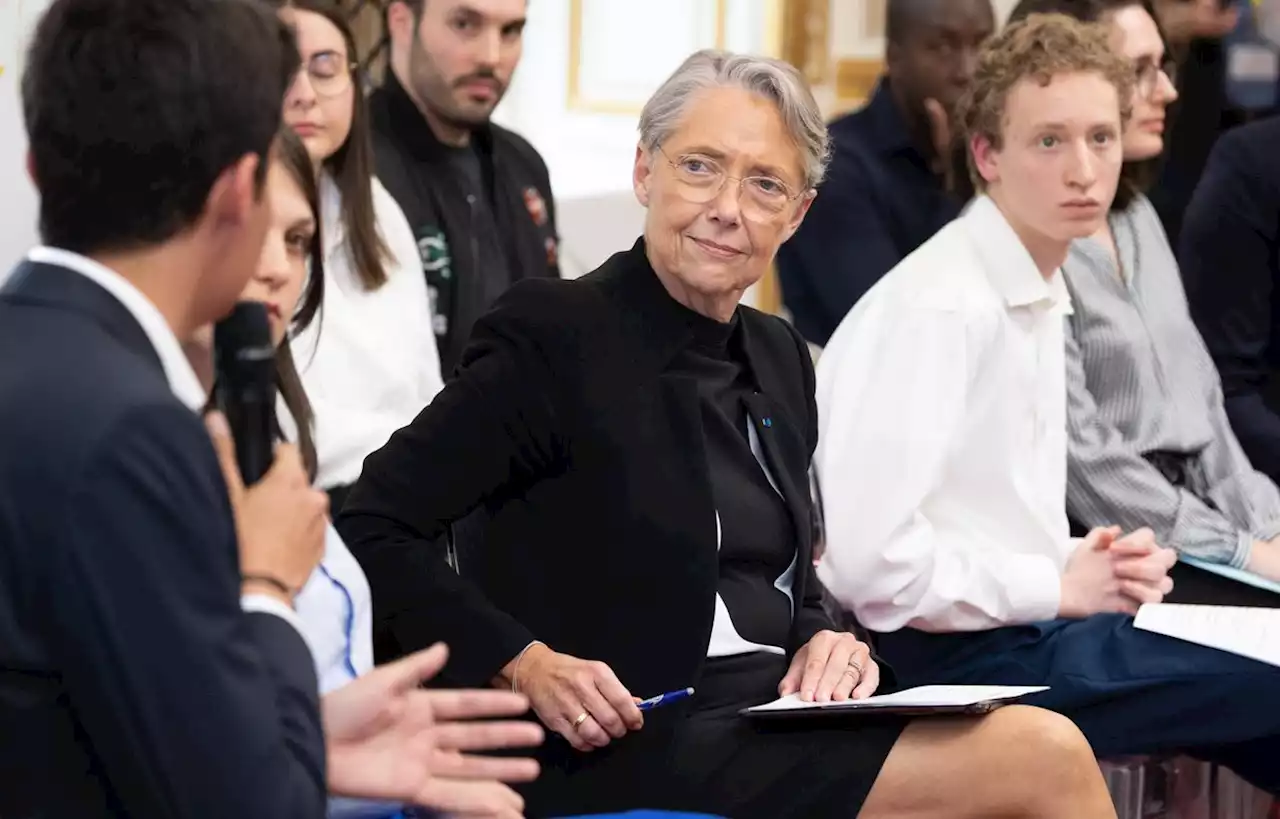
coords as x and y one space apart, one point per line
1140 381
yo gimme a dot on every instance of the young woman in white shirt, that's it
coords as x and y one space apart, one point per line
375 365
334 606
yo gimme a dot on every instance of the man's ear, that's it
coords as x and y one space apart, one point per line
986 158
235 192
400 22
642 175
31 169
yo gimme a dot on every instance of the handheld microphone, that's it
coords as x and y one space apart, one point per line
245 386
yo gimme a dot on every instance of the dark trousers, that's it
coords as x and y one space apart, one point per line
1129 691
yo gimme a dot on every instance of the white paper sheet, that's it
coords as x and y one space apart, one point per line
926 696
1249 632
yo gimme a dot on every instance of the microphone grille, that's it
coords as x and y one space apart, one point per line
245 334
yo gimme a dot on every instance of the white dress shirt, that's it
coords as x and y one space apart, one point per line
942 448
369 362
337 615
177 369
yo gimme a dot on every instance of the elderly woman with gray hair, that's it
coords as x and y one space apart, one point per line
638 443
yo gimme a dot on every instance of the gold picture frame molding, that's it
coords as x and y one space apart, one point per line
577 101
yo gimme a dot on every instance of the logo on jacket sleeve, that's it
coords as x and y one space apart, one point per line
437 266
434 250
536 205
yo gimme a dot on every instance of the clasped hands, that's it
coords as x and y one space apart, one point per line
1110 573
585 702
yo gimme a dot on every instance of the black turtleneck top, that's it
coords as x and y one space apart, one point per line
757 539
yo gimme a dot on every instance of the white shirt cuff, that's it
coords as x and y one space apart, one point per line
265 604
1035 590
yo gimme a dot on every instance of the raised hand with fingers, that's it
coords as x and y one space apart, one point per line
941 135
389 739
1186 20
581 700
831 666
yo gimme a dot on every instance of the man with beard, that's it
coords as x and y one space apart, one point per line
889 186
477 196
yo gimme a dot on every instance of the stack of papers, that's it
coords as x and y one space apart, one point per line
1249 632
925 699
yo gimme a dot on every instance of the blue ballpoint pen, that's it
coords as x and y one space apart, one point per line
664 699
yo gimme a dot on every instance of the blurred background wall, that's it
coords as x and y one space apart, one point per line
588 66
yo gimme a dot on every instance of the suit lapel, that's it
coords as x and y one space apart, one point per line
784 454
58 288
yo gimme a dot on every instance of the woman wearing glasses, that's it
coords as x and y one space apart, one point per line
1150 444
640 445
374 366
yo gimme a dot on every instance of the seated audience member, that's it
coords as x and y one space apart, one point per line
1148 439
885 192
375 365
640 444
1230 258
477 196
943 446
334 606
1196 33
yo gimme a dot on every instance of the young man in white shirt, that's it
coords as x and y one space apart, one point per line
942 447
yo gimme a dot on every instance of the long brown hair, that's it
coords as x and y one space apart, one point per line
1135 177
352 164
292 156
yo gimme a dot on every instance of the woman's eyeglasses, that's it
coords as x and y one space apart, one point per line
1149 74
701 179
329 73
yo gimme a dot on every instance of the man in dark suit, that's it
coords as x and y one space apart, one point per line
886 191
132 680
1229 253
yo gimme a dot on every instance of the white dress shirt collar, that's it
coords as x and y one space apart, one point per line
182 379
177 369
1008 263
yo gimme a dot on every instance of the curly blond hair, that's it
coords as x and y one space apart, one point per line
1038 47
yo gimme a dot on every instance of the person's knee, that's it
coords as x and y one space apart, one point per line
1044 744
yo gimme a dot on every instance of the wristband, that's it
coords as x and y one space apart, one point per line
274 582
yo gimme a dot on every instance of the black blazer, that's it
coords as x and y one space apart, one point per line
131 684
1229 255
587 458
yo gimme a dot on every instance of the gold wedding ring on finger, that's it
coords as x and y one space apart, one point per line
583 717
854 670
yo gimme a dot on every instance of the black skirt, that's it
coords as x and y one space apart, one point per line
744 769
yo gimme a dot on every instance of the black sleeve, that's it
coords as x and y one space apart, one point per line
1228 260
841 250
193 707
812 616
490 433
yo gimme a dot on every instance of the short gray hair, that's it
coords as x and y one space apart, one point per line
774 80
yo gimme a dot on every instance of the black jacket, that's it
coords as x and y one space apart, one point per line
588 458
415 167
131 683
1230 261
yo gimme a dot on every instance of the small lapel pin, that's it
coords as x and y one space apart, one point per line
767 421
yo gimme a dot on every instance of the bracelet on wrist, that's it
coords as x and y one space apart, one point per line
515 667
268 580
